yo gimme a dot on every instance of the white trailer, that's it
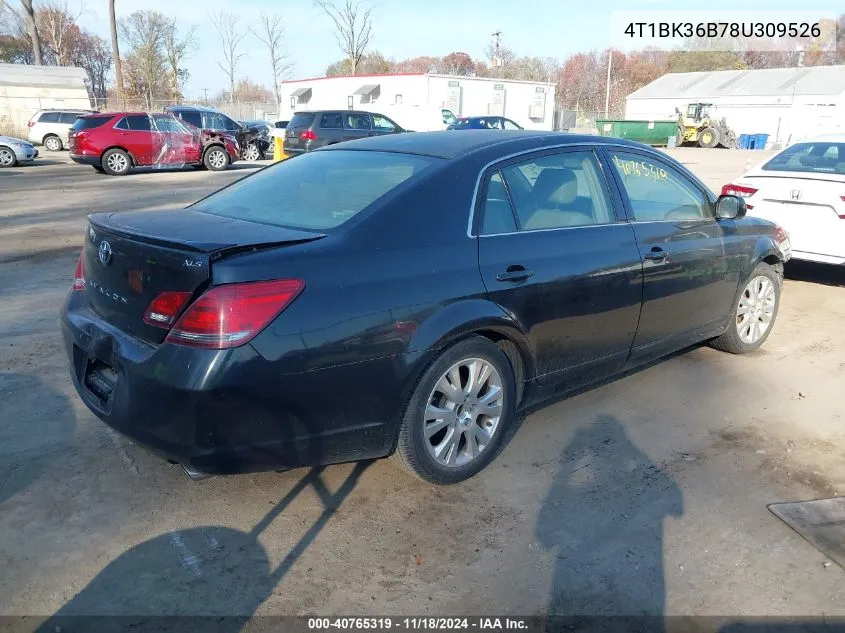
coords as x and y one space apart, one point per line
425 101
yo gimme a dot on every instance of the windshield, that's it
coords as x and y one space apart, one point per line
319 191
812 158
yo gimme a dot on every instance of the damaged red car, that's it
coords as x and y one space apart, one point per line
115 143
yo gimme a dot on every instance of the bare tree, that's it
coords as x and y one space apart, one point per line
230 36
177 49
115 51
27 16
353 27
57 26
144 32
272 34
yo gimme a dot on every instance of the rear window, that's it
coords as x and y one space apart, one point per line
301 120
49 117
813 158
87 123
318 191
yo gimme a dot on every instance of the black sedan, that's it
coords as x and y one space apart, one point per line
406 295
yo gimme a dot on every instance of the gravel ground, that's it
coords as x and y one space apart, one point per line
645 495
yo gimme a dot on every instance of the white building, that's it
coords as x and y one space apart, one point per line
530 104
786 103
26 89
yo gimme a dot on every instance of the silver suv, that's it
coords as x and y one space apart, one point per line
50 127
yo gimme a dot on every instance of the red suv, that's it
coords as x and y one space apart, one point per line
114 143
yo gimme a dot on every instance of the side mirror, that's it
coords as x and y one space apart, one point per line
730 208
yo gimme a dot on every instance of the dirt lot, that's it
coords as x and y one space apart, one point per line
645 495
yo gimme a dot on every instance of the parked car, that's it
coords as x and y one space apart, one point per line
210 119
263 143
308 131
802 188
50 127
406 295
484 123
15 150
116 142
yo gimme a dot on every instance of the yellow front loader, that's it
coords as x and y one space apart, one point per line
700 126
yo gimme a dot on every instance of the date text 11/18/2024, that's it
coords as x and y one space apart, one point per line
428 623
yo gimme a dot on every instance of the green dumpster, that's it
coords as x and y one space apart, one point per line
649 132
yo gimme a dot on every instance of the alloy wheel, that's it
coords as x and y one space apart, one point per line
53 144
463 412
252 152
217 159
6 157
118 163
755 310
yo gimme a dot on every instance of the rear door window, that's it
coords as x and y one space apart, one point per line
330 121
49 117
138 122
358 121
318 191
194 118
811 158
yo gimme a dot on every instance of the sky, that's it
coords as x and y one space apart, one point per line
404 28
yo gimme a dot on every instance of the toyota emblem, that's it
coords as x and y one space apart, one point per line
795 194
105 253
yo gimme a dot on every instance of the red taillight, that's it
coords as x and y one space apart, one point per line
740 191
308 135
231 315
780 235
30 124
164 309
79 274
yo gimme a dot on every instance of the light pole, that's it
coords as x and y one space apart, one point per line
607 87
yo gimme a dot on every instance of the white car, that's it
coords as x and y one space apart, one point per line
50 127
802 189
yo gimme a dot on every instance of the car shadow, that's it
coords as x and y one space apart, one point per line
28 451
210 578
603 518
812 272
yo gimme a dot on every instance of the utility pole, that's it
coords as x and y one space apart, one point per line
497 58
607 88
205 90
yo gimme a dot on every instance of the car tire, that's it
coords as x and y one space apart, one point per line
7 157
253 153
216 158
116 162
426 445
708 138
53 144
759 296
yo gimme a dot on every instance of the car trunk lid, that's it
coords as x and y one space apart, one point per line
298 124
131 258
810 208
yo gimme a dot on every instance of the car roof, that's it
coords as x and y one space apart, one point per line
449 145
190 108
112 114
67 110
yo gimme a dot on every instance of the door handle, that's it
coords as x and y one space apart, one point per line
656 254
515 273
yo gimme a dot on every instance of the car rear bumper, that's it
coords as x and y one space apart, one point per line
85 160
217 412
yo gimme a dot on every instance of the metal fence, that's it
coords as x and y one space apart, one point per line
238 110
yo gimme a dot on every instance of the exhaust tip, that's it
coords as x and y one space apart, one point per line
195 475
